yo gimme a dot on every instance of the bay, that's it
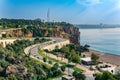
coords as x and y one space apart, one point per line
105 40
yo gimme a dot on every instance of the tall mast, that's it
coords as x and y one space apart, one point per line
48 15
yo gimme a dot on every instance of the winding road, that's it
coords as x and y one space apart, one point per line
60 42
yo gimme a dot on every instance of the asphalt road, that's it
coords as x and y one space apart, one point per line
34 52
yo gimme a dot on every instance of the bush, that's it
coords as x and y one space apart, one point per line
78 75
4 35
63 68
50 62
45 59
46 50
104 76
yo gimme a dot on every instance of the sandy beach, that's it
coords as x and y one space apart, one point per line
105 57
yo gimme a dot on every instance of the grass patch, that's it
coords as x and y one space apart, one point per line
74 68
41 52
77 69
63 63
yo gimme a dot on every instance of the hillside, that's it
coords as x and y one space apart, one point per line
15 65
38 28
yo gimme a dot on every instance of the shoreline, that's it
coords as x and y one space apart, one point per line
105 57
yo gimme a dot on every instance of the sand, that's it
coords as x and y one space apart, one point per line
105 57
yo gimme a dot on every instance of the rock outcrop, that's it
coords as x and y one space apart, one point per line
17 33
16 69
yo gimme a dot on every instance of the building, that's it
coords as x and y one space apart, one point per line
108 67
67 78
86 61
4 42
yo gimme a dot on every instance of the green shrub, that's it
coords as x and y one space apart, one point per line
50 62
63 67
45 59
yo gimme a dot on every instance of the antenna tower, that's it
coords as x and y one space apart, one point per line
48 15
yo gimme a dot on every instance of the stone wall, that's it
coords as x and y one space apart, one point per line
59 44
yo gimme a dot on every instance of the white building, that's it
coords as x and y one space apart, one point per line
86 61
110 69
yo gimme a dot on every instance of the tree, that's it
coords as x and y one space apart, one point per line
4 35
94 58
104 76
55 70
63 67
36 40
44 59
78 75
65 51
107 76
55 67
76 58
46 50
98 76
117 73
50 62
69 57
41 77
11 77
86 47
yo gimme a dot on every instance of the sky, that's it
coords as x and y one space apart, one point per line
72 11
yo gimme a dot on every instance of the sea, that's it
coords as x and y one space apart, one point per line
104 40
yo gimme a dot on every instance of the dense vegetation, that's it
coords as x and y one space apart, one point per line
71 51
19 23
104 76
108 76
14 55
94 58
37 26
78 75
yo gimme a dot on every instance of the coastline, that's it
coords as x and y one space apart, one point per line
105 57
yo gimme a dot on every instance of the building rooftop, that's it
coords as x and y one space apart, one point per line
86 59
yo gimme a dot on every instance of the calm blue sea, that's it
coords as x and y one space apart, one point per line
104 40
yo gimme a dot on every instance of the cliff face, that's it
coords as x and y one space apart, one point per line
18 32
71 33
74 34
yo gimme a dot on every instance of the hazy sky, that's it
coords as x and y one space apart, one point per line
73 11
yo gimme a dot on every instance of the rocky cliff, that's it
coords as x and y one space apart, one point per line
18 32
37 28
71 33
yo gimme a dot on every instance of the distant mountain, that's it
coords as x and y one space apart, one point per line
87 26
